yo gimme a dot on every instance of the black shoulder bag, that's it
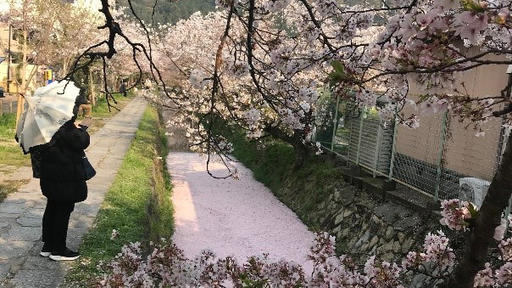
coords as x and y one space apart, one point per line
88 169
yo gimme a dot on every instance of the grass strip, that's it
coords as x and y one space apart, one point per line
10 152
7 123
137 204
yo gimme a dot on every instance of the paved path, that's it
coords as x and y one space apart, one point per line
21 212
232 217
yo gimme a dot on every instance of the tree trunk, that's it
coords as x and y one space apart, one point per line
24 83
302 153
65 66
481 236
91 88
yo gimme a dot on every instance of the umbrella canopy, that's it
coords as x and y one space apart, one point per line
45 112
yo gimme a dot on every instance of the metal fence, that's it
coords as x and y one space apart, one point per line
370 142
431 159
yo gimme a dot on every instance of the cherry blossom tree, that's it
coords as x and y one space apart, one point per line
262 64
53 32
273 58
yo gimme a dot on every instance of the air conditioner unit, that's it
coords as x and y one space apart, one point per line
473 190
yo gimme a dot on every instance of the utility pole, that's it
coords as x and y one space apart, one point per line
9 59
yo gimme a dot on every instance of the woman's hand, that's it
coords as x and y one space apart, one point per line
77 125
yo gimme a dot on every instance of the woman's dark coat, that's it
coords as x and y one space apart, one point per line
62 173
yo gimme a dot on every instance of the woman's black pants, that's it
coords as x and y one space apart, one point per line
55 224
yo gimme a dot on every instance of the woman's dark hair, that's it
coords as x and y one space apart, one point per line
75 110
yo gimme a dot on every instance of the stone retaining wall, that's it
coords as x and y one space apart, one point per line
364 224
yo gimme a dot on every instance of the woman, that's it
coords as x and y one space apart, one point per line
63 184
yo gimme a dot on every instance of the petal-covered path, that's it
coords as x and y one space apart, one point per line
232 217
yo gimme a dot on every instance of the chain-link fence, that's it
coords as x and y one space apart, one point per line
431 159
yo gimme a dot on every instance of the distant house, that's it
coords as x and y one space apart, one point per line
4 48
10 69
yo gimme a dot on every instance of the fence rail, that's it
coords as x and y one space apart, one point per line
8 106
431 159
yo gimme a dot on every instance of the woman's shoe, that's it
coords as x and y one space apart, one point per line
65 255
45 251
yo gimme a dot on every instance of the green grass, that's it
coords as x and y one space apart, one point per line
10 152
5 190
10 186
160 210
300 188
137 204
101 107
270 165
7 126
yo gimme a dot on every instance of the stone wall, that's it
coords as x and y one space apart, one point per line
364 223
365 220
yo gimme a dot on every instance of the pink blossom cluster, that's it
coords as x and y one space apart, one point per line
437 257
501 277
505 247
53 41
166 266
455 214
383 274
436 250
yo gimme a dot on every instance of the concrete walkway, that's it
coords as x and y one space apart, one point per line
21 212
232 217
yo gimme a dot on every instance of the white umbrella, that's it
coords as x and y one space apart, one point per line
45 112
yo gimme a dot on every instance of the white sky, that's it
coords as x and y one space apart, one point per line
4 6
91 4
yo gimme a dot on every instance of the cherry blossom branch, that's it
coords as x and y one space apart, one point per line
215 88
